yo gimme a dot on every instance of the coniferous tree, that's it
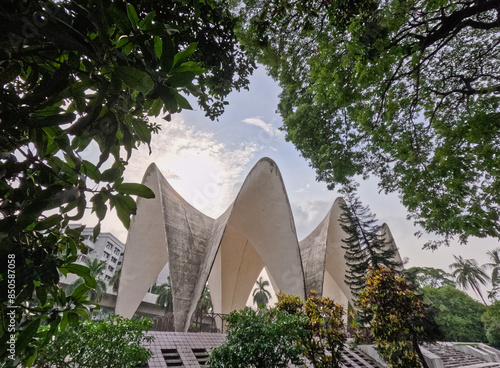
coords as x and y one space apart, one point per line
366 243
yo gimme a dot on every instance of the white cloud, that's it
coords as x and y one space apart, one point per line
267 127
309 214
199 166
205 171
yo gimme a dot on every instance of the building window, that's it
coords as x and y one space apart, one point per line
110 268
106 255
117 251
107 277
109 246
119 263
113 259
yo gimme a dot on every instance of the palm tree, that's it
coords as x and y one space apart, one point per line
164 292
95 267
495 272
260 295
468 273
114 281
495 266
205 303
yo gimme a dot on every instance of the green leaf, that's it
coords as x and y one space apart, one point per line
167 55
82 312
156 107
184 55
80 291
97 230
111 174
125 207
27 334
158 45
135 78
122 41
81 271
31 360
190 66
48 222
146 22
181 79
41 294
142 130
99 207
64 322
135 189
132 15
91 171
182 102
120 19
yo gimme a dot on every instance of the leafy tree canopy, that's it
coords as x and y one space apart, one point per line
459 316
114 343
491 320
260 339
428 276
79 80
406 91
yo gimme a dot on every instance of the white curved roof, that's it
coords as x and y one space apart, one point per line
229 252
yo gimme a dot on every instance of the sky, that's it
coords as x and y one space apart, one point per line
207 161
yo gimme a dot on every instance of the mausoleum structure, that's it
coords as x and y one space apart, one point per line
256 231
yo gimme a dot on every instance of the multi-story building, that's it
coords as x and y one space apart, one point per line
106 248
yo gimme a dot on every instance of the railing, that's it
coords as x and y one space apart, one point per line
200 322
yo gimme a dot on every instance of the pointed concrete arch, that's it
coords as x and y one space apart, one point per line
257 230
165 229
323 257
260 232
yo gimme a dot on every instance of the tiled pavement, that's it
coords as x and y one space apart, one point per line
184 343
181 349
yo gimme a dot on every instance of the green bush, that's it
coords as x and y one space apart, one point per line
116 342
459 316
491 319
260 339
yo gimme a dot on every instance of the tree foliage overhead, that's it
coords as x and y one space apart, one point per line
406 91
210 25
79 80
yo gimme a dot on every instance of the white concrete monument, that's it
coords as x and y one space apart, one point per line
256 231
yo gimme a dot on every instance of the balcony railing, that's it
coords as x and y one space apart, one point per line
206 322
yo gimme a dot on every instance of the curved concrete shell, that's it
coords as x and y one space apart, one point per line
256 231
